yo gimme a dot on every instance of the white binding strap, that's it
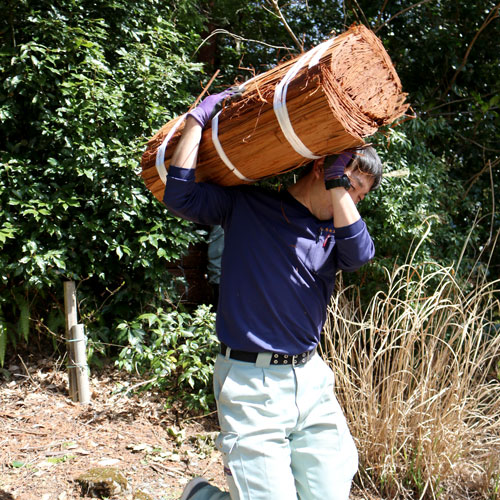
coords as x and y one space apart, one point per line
160 153
279 101
319 51
222 154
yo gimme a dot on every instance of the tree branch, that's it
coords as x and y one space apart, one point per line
488 166
448 103
379 17
280 15
482 146
493 14
239 38
367 24
401 12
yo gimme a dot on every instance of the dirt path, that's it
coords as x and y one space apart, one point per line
47 441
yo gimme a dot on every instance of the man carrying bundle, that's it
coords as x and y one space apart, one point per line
283 435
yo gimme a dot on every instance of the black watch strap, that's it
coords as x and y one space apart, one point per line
339 182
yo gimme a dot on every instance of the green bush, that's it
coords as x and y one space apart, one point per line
84 85
176 350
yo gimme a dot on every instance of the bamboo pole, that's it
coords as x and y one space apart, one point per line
71 320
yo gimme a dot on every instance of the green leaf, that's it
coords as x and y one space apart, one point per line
7 231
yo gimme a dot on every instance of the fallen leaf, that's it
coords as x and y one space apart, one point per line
45 464
81 451
140 447
108 461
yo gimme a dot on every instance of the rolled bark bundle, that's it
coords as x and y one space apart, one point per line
323 102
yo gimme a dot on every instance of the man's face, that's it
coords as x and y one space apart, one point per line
319 200
361 184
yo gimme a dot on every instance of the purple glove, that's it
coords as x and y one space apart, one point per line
335 165
208 107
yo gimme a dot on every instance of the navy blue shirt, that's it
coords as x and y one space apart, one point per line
278 265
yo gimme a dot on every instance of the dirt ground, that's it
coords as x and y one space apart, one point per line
47 441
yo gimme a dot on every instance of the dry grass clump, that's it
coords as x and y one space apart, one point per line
418 377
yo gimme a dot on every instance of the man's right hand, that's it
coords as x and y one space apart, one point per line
335 165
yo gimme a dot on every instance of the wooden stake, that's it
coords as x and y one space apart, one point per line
80 367
71 320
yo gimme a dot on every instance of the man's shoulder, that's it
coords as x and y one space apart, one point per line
257 192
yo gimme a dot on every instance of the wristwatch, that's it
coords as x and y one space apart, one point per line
339 182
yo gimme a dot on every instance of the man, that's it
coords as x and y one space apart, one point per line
283 435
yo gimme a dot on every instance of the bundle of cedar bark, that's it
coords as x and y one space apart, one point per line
330 98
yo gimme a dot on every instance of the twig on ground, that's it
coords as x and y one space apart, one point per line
16 431
28 372
166 469
198 417
213 458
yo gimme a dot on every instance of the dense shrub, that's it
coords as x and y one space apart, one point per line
176 352
84 84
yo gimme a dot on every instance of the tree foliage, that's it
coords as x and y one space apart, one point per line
84 84
446 56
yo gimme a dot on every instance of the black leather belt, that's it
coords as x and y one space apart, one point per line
276 359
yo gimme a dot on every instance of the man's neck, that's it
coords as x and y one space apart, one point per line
301 193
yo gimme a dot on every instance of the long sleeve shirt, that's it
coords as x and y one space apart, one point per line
279 261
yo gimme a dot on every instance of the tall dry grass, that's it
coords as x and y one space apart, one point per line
418 377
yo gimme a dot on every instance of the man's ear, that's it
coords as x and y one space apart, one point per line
318 167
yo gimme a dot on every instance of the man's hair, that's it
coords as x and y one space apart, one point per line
366 160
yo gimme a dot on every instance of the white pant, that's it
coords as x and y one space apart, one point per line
283 434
